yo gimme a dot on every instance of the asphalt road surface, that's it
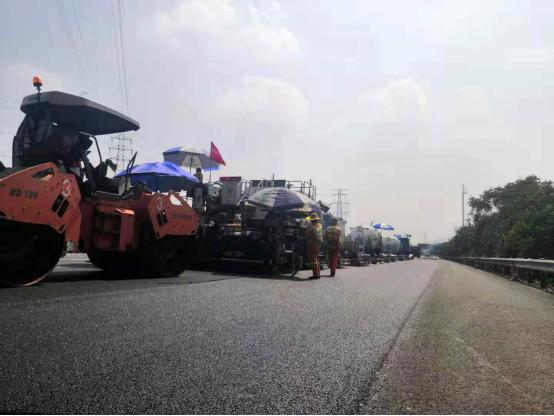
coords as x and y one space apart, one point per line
422 336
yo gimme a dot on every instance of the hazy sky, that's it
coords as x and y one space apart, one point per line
399 101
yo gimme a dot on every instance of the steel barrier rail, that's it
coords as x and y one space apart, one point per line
520 269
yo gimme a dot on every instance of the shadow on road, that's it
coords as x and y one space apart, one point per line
247 271
79 266
87 273
84 271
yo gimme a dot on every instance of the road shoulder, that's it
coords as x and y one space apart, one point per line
476 343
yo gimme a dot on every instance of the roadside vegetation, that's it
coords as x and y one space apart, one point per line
515 220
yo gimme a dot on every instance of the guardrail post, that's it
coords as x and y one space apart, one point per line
514 272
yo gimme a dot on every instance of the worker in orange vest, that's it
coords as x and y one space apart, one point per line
332 240
314 238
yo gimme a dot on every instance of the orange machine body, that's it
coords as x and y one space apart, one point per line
43 195
121 225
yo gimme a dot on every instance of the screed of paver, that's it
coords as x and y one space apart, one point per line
476 343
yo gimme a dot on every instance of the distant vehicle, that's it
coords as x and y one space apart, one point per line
415 251
404 249
364 245
391 248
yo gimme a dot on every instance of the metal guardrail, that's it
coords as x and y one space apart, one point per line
517 269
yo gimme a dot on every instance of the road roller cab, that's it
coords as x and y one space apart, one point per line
53 199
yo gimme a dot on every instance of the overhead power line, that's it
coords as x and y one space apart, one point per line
84 46
123 65
121 149
117 46
72 43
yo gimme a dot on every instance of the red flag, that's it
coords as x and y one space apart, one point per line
215 155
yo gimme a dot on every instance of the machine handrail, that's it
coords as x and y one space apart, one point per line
306 188
240 186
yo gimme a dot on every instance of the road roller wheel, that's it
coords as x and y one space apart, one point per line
116 263
169 256
164 258
28 252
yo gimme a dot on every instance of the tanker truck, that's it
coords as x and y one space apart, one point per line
391 248
364 245
404 249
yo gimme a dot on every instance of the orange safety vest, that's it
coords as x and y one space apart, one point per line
332 237
314 234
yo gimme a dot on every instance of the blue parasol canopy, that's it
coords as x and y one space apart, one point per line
282 199
402 236
382 226
161 176
190 158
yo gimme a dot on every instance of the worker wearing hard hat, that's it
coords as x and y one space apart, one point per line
314 238
198 175
332 241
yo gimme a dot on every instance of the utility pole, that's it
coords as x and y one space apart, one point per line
464 193
340 204
459 241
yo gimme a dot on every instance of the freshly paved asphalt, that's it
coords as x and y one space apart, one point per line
402 337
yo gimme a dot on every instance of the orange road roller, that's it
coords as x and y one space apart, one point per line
54 200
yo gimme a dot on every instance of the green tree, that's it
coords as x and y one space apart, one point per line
515 220
533 234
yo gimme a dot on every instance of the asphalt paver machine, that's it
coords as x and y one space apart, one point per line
53 199
233 231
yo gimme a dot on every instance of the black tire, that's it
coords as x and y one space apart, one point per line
28 252
170 256
167 257
115 263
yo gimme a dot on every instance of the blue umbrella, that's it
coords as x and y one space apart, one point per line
382 226
401 236
282 199
190 158
161 176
